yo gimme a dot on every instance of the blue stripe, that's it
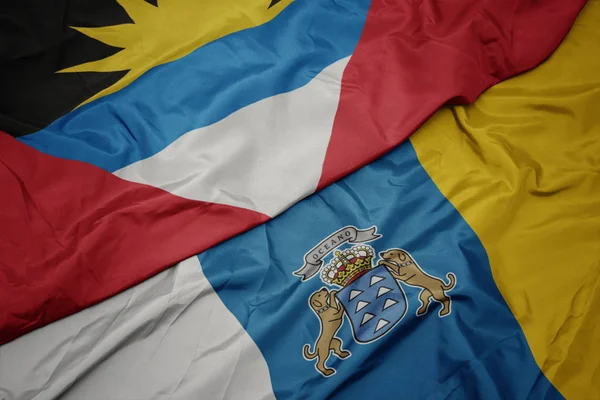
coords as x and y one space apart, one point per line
206 85
476 352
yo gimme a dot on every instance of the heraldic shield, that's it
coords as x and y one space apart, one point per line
374 304
372 298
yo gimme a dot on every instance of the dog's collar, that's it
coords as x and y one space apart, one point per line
404 264
327 307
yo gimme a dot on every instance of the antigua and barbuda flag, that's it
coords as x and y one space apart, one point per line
146 132
487 221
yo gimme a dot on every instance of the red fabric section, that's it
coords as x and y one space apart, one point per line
72 235
415 56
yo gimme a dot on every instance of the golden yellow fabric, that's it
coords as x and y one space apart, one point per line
522 166
173 29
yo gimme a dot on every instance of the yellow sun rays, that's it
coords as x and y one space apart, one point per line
165 33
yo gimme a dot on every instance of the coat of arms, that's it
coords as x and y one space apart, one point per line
370 295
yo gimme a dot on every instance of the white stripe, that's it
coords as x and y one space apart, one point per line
264 157
170 337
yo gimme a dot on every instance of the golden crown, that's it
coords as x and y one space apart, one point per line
348 265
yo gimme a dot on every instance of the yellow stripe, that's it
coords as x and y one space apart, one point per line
522 165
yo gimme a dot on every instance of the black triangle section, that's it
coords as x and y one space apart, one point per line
273 2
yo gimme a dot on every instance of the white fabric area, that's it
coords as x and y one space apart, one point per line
264 157
170 337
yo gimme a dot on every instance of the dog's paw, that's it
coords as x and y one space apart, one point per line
344 354
328 372
421 311
444 312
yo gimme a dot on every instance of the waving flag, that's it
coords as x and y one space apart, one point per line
209 118
496 202
493 209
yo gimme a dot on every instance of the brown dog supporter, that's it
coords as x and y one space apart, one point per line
331 315
405 269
